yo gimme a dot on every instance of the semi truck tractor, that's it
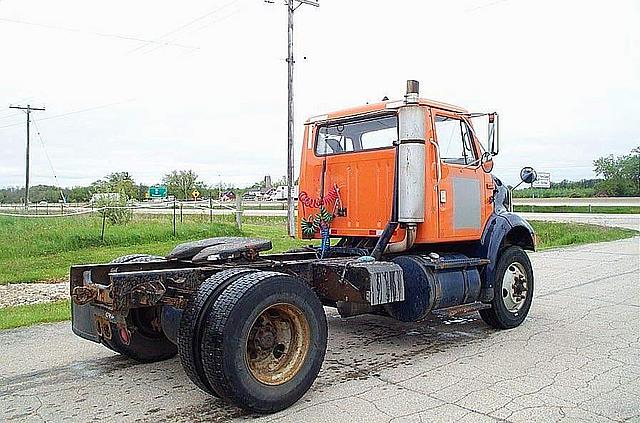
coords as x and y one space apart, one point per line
403 216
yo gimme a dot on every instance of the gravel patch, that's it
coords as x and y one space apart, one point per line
32 293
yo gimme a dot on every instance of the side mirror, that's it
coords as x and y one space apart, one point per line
486 162
493 137
528 175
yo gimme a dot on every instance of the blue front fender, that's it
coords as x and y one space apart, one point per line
502 229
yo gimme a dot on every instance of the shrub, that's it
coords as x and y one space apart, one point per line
115 209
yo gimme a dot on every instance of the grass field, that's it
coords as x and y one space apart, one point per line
555 234
43 249
554 192
578 209
26 315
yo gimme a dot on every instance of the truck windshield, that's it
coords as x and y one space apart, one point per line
358 135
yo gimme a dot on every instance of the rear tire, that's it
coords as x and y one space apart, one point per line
190 331
513 290
146 341
264 341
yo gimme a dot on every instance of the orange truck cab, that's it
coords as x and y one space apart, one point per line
353 153
407 176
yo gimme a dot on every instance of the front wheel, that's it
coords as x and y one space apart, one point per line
513 290
264 341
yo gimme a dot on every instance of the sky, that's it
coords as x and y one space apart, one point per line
151 86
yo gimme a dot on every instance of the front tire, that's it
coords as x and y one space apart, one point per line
513 290
264 341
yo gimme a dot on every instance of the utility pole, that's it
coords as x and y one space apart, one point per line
291 8
28 110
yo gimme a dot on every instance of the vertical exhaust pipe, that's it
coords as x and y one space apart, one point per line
411 157
409 181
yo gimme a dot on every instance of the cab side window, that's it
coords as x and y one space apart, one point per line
455 141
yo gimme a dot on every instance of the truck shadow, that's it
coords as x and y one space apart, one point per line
361 346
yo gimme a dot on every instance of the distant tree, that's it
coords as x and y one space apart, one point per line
181 183
120 182
142 191
621 174
78 194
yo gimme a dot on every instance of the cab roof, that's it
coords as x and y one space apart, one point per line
384 105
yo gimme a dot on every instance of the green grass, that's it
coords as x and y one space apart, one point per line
577 192
27 315
43 249
578 209
555 234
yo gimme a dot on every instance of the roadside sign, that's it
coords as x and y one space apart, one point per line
543 181
157 191
195 194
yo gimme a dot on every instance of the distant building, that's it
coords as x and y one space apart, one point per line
228 196
280 193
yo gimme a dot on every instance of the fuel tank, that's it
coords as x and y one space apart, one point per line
431 284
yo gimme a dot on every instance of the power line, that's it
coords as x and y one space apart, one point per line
223 18
44 149
181 27
10 115
100 34
72 112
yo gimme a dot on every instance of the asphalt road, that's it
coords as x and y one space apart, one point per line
575 358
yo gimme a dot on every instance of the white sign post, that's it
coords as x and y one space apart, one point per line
543 181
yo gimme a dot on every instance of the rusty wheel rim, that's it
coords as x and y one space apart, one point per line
277 344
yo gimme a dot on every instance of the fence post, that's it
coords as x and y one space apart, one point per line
174 217
104 219
239 211
181 212
210 209
47 208
62 208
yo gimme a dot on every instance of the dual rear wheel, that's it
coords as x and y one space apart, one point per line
255 338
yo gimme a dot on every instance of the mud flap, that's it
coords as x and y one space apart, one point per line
83 322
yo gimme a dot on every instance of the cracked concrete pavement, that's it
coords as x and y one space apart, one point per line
574 359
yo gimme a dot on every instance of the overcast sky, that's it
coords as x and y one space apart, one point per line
151 86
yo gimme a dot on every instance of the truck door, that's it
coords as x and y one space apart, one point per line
461 209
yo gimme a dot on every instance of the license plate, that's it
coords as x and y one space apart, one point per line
387 284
